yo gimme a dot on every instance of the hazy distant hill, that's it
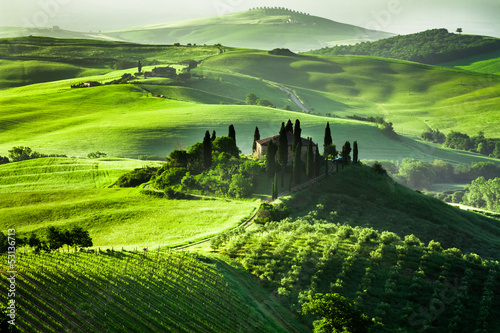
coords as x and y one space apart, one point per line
262 28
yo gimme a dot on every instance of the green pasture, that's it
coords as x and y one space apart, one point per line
64 173
488 63
412 96
253 29
65 192
122 217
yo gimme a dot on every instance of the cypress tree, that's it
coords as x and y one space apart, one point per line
275 187
289 126
207 151
297 164
297 132
256 137
328 138
139 66
283 146
317 162
355 153
232 133
310 160
271 158
346 153
214 136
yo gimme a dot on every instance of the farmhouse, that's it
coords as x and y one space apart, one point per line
91 84
262 145
161 72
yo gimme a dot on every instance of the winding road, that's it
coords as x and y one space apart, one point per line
294 97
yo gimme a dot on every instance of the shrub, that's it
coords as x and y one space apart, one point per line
454 252
436 246
388 237
169 177
136 177
412 240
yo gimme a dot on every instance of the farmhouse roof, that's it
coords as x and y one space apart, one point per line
289 136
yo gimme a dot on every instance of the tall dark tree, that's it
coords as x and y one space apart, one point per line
256 137
232 133
139 66
297 132
289 126
275 187
355 153
310 160
328 138
214 136
271 158
207 151
283 146
297 164
317 162
346 153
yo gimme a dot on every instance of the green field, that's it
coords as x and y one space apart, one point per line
259 28
412 96
67 192
488 63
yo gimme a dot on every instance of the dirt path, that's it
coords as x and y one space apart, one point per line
292 95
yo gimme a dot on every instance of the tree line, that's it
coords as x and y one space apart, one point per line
456 140
429 47
17 154
51 238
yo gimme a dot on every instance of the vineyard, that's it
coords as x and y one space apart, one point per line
135 292
400 283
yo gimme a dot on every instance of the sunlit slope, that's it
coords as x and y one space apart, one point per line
122 121
259 28
141 292
488 63
411 95
66 192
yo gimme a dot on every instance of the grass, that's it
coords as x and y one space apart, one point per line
64 173
488 63
253 29
122 217
65 192
412 96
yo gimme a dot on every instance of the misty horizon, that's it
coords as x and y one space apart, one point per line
394 16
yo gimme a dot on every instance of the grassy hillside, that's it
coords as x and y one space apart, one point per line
488 63
66 192
258 28
403 284
412 96
28 60
141 292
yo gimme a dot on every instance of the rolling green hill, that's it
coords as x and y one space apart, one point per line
141 292
488 63
429 47
263 28
66 192
412 96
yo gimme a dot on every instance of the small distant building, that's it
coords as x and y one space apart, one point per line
91 84
263 144
168 72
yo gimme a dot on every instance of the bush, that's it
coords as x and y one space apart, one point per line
97 154
169 177
269 213
389 237
4 160
435 246
136 177
412 240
